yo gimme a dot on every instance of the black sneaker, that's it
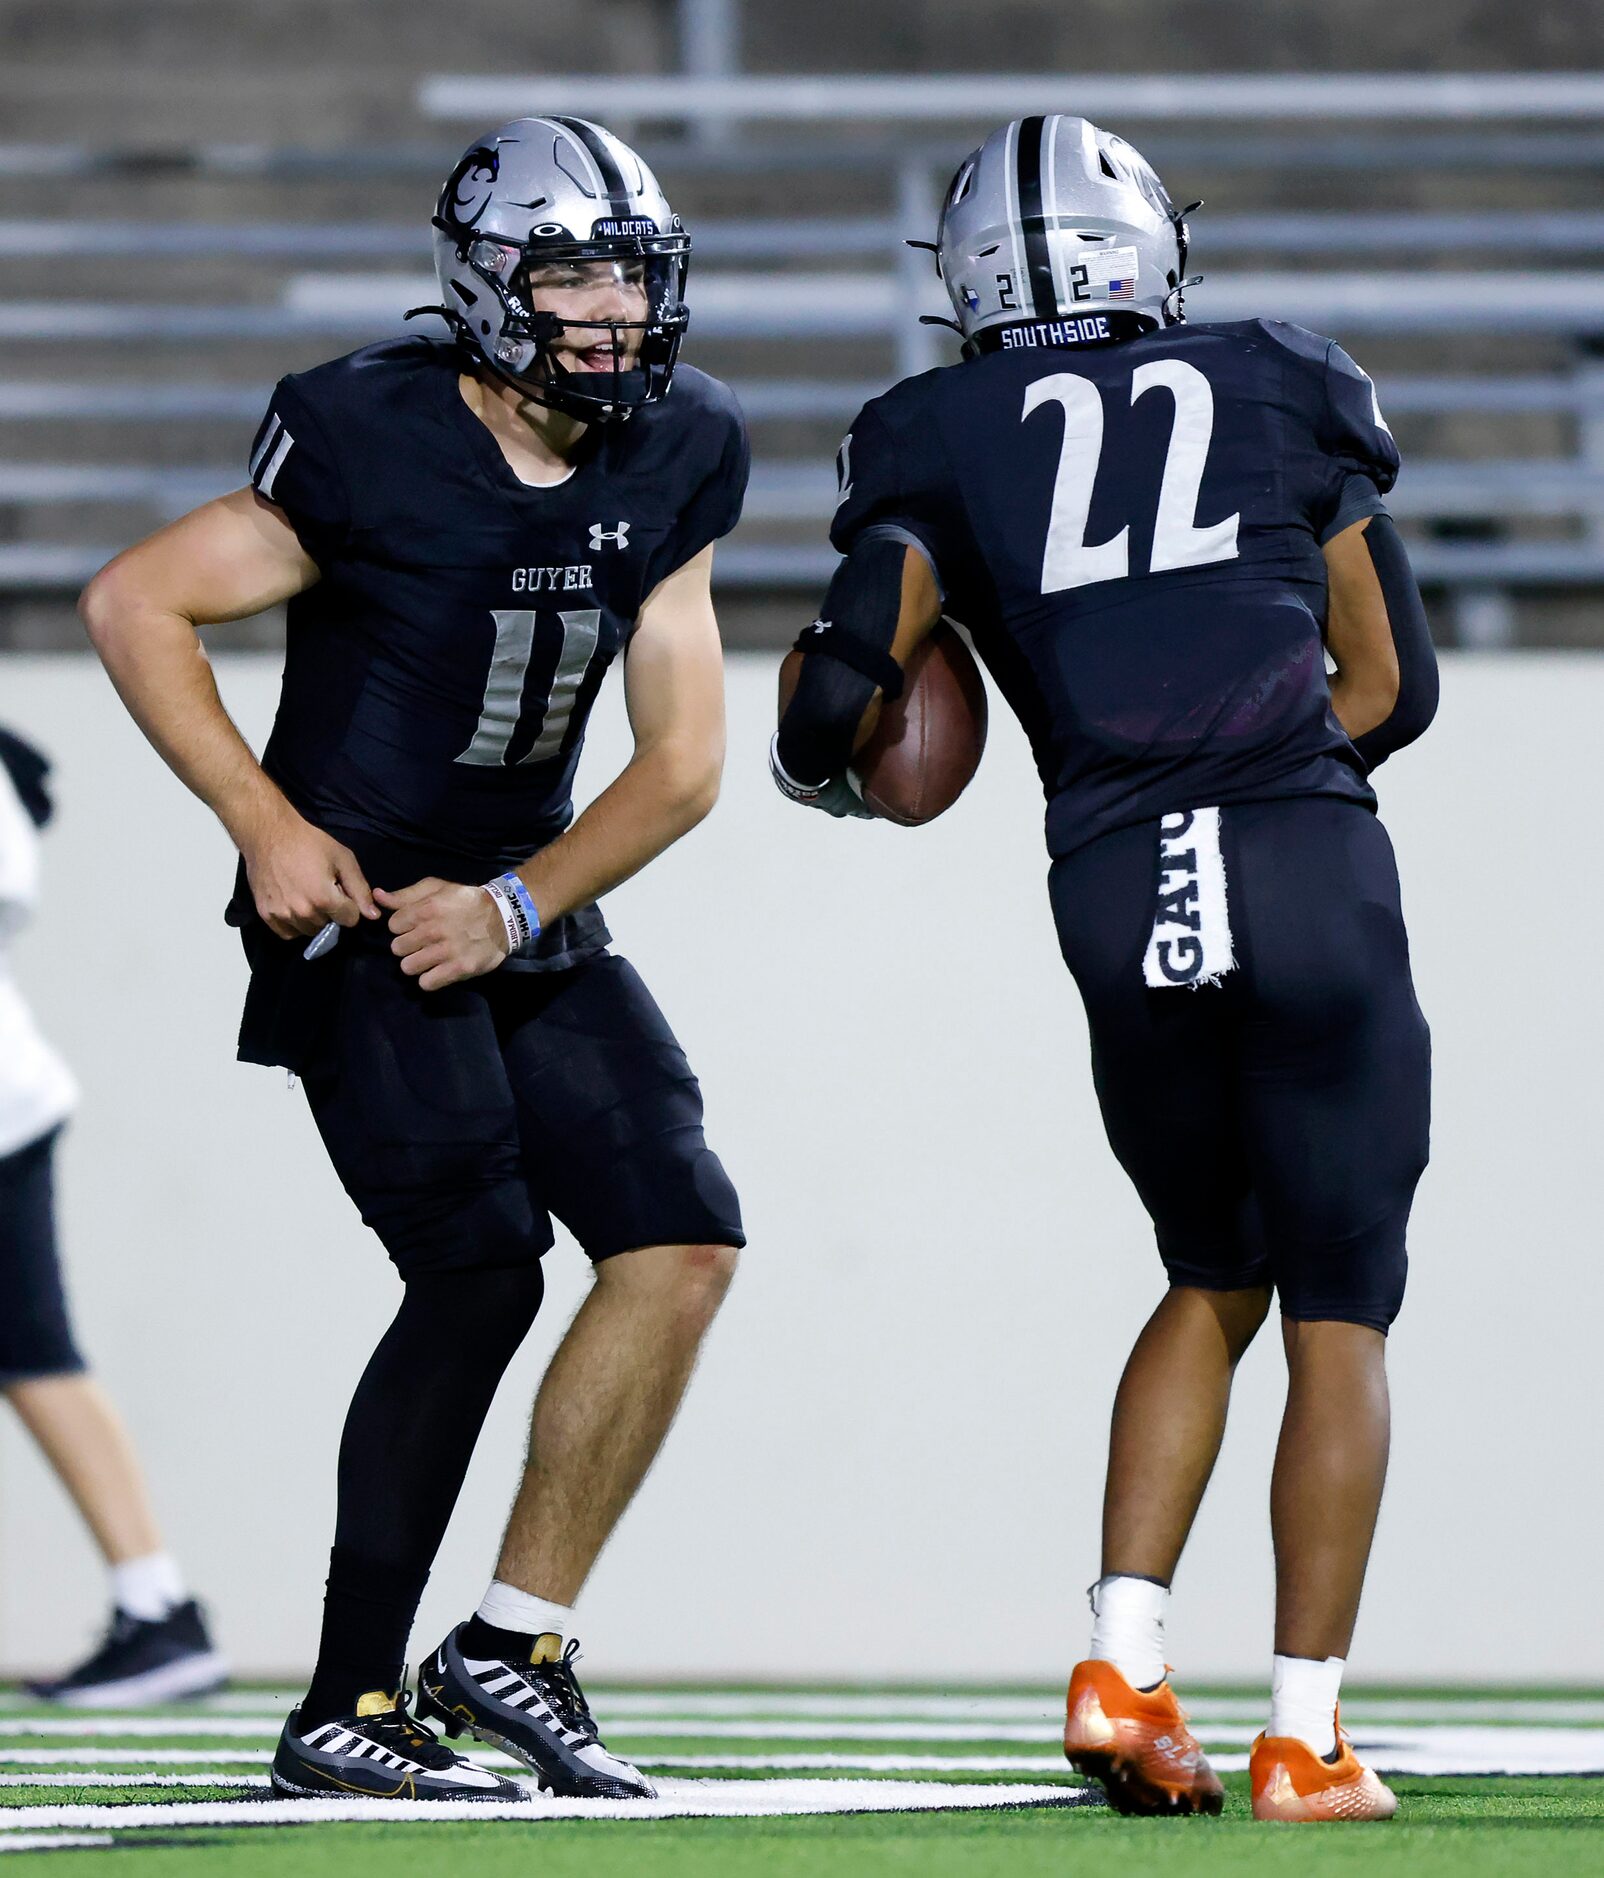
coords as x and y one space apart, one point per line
142 1660
379 1753
534 1711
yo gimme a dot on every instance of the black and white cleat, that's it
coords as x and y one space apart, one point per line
535 1711
379 1753
142 1660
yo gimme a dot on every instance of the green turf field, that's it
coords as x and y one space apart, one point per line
784 1782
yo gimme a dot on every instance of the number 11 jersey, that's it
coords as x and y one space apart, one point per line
1132 533
439 675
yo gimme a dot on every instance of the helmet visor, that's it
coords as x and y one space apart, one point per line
607 318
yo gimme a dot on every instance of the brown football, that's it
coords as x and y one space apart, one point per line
928 743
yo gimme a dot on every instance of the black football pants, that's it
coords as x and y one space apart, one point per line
1275 1123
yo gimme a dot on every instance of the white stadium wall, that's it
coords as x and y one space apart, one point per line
891 1461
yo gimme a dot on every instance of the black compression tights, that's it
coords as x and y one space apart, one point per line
409 1436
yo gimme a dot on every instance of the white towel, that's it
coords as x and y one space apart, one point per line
1191 942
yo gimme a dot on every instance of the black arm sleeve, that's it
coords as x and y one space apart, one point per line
848 650
1416 704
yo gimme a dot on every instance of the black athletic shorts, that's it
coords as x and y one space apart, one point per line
460 1120
35 1330
1275 1122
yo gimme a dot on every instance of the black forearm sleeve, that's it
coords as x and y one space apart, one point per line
848 658
1416 705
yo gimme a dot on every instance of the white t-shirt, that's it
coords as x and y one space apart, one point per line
37 1091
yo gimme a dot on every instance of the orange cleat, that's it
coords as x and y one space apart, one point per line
1136 1743
1292 1783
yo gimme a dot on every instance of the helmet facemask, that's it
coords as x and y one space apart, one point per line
520 342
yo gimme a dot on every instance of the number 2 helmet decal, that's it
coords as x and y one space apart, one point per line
1053 218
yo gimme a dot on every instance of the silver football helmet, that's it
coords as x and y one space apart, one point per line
543 190
1052 217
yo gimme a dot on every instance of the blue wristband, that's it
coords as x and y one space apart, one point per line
520 893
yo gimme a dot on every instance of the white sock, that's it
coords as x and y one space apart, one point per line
147 1587
1303 1699
508 1608
1128 1627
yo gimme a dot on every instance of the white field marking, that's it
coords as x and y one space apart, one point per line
267 1708
1560 1749
708 1799
1482 1750
1515 1751
126 1757
103 1779
204 1769
264 1731
1398 1750
1007 1719
1403 1751
959 1706
1395 1749
54 1841
201 1726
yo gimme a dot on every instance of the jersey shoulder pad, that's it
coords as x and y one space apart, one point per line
885 458
700 398
909 404
1309 347
332 431
366 391
703 454
698 427
1340 402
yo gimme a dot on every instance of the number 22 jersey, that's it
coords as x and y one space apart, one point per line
439 674
1132 534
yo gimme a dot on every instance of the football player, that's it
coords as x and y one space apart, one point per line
157 1646
468 534
1157 533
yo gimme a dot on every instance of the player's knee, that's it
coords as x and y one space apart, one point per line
1358 1282
702 1277
707 1272
488 1310
685 1281
1314 1343
18 1386
1241 1316
699 1275
454 1227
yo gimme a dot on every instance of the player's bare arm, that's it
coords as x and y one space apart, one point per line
883 603
1384 689
674 689
224 561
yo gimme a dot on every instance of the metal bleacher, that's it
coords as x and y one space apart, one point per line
142 339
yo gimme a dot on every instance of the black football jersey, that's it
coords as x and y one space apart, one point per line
439 675
1132 533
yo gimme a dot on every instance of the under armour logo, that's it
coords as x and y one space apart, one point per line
619 536
819 626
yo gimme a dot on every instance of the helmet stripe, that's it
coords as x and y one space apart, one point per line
612 177
1038 257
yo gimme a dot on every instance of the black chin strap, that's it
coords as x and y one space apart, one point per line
595 411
